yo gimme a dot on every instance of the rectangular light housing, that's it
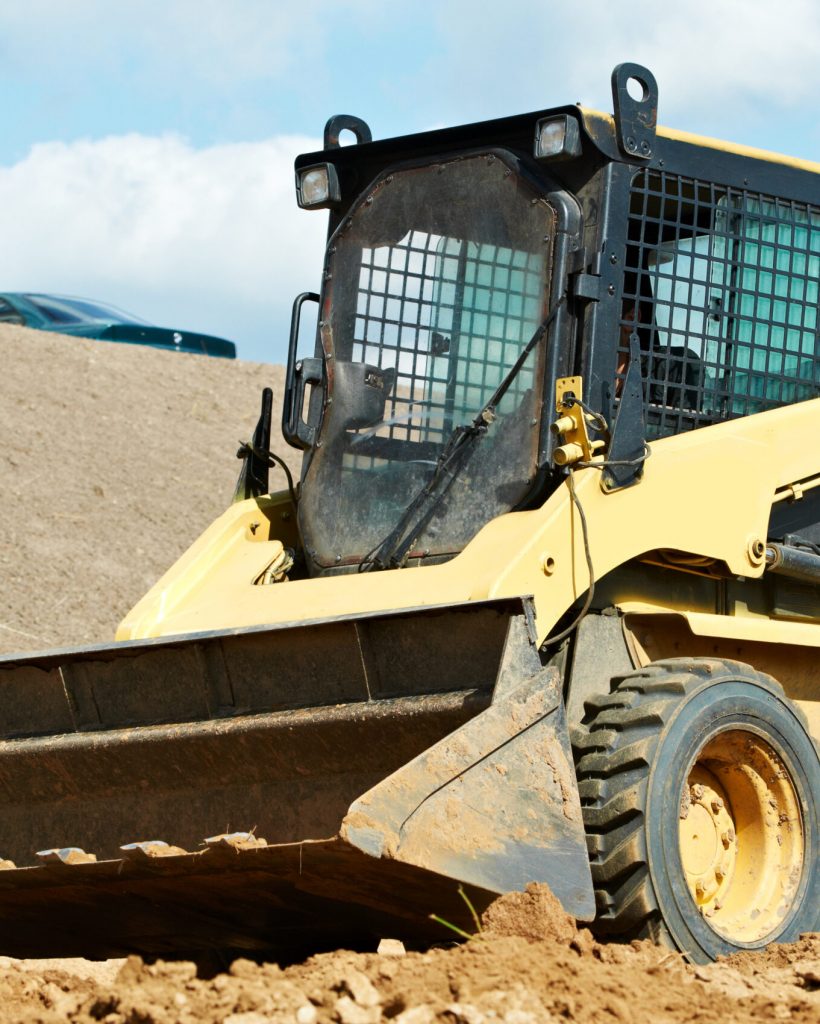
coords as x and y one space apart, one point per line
317 187
557 138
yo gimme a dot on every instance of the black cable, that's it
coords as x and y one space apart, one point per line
272 460
603 427
647 451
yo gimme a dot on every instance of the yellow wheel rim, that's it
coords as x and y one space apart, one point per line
741 836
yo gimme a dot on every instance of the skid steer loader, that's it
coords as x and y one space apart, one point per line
542 606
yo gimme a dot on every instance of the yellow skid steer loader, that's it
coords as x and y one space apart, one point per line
544 604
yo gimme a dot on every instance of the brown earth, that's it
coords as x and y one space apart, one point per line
536 967
112 460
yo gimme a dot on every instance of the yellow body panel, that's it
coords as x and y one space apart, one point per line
708 493
786 650
596 122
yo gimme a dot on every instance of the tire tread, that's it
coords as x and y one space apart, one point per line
615 747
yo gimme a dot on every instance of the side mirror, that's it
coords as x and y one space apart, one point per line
359 394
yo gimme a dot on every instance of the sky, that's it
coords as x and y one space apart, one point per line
146 156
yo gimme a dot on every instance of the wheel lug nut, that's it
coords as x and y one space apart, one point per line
697 791
699 890
719 875
717 805
727 838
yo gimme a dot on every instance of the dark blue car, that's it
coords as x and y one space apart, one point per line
88 319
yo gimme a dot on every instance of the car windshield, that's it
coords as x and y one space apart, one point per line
61 310
439 278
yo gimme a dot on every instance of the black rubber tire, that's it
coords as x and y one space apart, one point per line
634 751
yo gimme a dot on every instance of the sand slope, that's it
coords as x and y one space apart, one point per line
113 458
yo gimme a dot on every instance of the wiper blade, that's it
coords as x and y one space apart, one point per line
392 552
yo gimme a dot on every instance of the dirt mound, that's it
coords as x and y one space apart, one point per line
113 458
512 979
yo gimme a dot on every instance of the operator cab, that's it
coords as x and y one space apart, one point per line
436 281
477 277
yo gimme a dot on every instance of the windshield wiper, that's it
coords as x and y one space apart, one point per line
392 552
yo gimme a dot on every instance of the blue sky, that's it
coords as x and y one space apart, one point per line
147 147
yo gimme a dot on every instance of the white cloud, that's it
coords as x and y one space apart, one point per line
713 52
715 60
207 239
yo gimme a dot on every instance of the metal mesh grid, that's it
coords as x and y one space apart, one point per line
721 286
451 317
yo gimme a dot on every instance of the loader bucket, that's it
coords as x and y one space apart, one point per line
281 788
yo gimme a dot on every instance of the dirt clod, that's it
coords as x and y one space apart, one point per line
534 914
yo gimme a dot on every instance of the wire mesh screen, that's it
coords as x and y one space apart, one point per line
437 279
450 317
721 286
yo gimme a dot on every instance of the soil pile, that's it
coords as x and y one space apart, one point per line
549 972
113 459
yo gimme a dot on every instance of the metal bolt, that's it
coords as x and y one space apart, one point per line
611 289
613 259
700 890
631 145
719 875
727 838
717 805
697 791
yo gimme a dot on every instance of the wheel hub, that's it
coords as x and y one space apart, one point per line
707 838
741 836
